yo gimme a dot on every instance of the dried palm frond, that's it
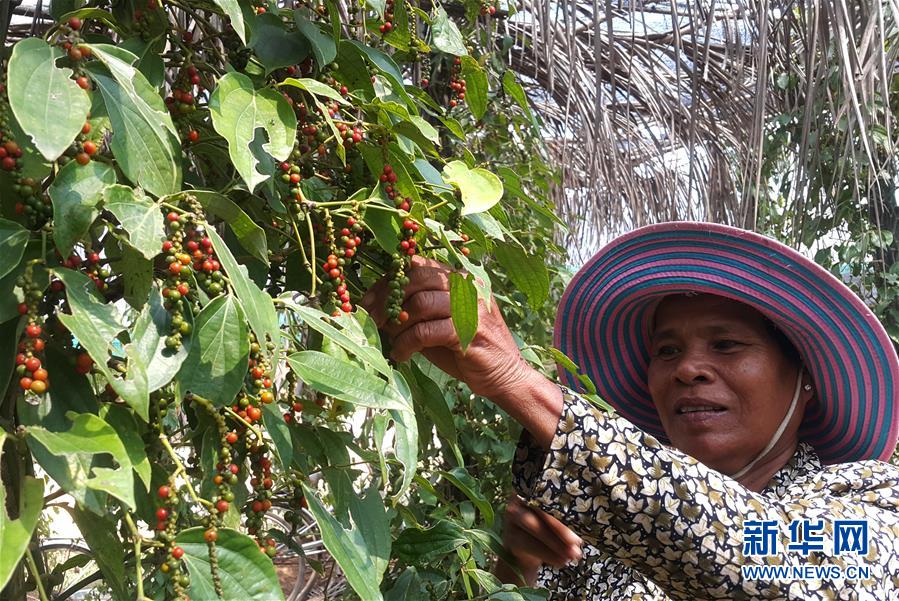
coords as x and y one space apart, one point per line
660 110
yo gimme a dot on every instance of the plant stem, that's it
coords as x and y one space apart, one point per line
181 470
249 426
135 535
29 559
311 249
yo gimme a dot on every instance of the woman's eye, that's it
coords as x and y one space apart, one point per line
666 351
726 345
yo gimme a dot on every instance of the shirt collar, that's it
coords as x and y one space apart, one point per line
803 464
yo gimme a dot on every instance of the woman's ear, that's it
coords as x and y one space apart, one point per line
807 394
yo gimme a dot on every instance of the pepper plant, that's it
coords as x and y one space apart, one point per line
195 196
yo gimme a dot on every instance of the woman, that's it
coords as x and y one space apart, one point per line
721 350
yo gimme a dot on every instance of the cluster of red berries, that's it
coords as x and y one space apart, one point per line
32 376
290 175
387 26
83 363
400 263
334 286
10 153
296 408
461 244
258 386
457 84
166 530
91 266
183 99
487 8
388 177
350 135
188 251
261 499
32 203
141 23
70 40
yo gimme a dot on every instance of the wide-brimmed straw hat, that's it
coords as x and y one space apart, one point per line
604 322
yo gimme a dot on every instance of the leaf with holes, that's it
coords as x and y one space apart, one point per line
240 113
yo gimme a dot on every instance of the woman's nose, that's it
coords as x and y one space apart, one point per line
693 366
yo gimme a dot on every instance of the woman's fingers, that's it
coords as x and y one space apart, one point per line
563 545
422 335
530 550
562 531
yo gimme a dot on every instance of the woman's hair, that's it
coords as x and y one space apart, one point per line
786 347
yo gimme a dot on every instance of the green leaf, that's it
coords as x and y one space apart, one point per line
445 36
345 381
123 422
514 89
75 193
232 10
480 188
378 6
323 45
315 87
90 435
245 573
273 420
461 479
149 60
419 546
358 345
464 307
428 395
106 548
382 61
13 239
16 534
139 216
96 324
149 333
144 140
49 106
348 548
527 272
256 303
274 45
476 86
406 430
238 111
370 518
217 362
137 275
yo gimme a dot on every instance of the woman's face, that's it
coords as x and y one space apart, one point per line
719 380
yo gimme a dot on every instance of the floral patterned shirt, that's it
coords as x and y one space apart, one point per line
659 525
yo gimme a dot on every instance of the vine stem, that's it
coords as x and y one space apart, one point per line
137 556
311 247
250 426
306 262
179 469
29 559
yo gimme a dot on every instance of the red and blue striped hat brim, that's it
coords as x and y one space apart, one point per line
603 325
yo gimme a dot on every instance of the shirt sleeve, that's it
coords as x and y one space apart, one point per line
681 524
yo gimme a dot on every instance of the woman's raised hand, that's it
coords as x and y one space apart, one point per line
492 365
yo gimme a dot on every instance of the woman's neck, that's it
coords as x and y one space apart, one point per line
757 478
